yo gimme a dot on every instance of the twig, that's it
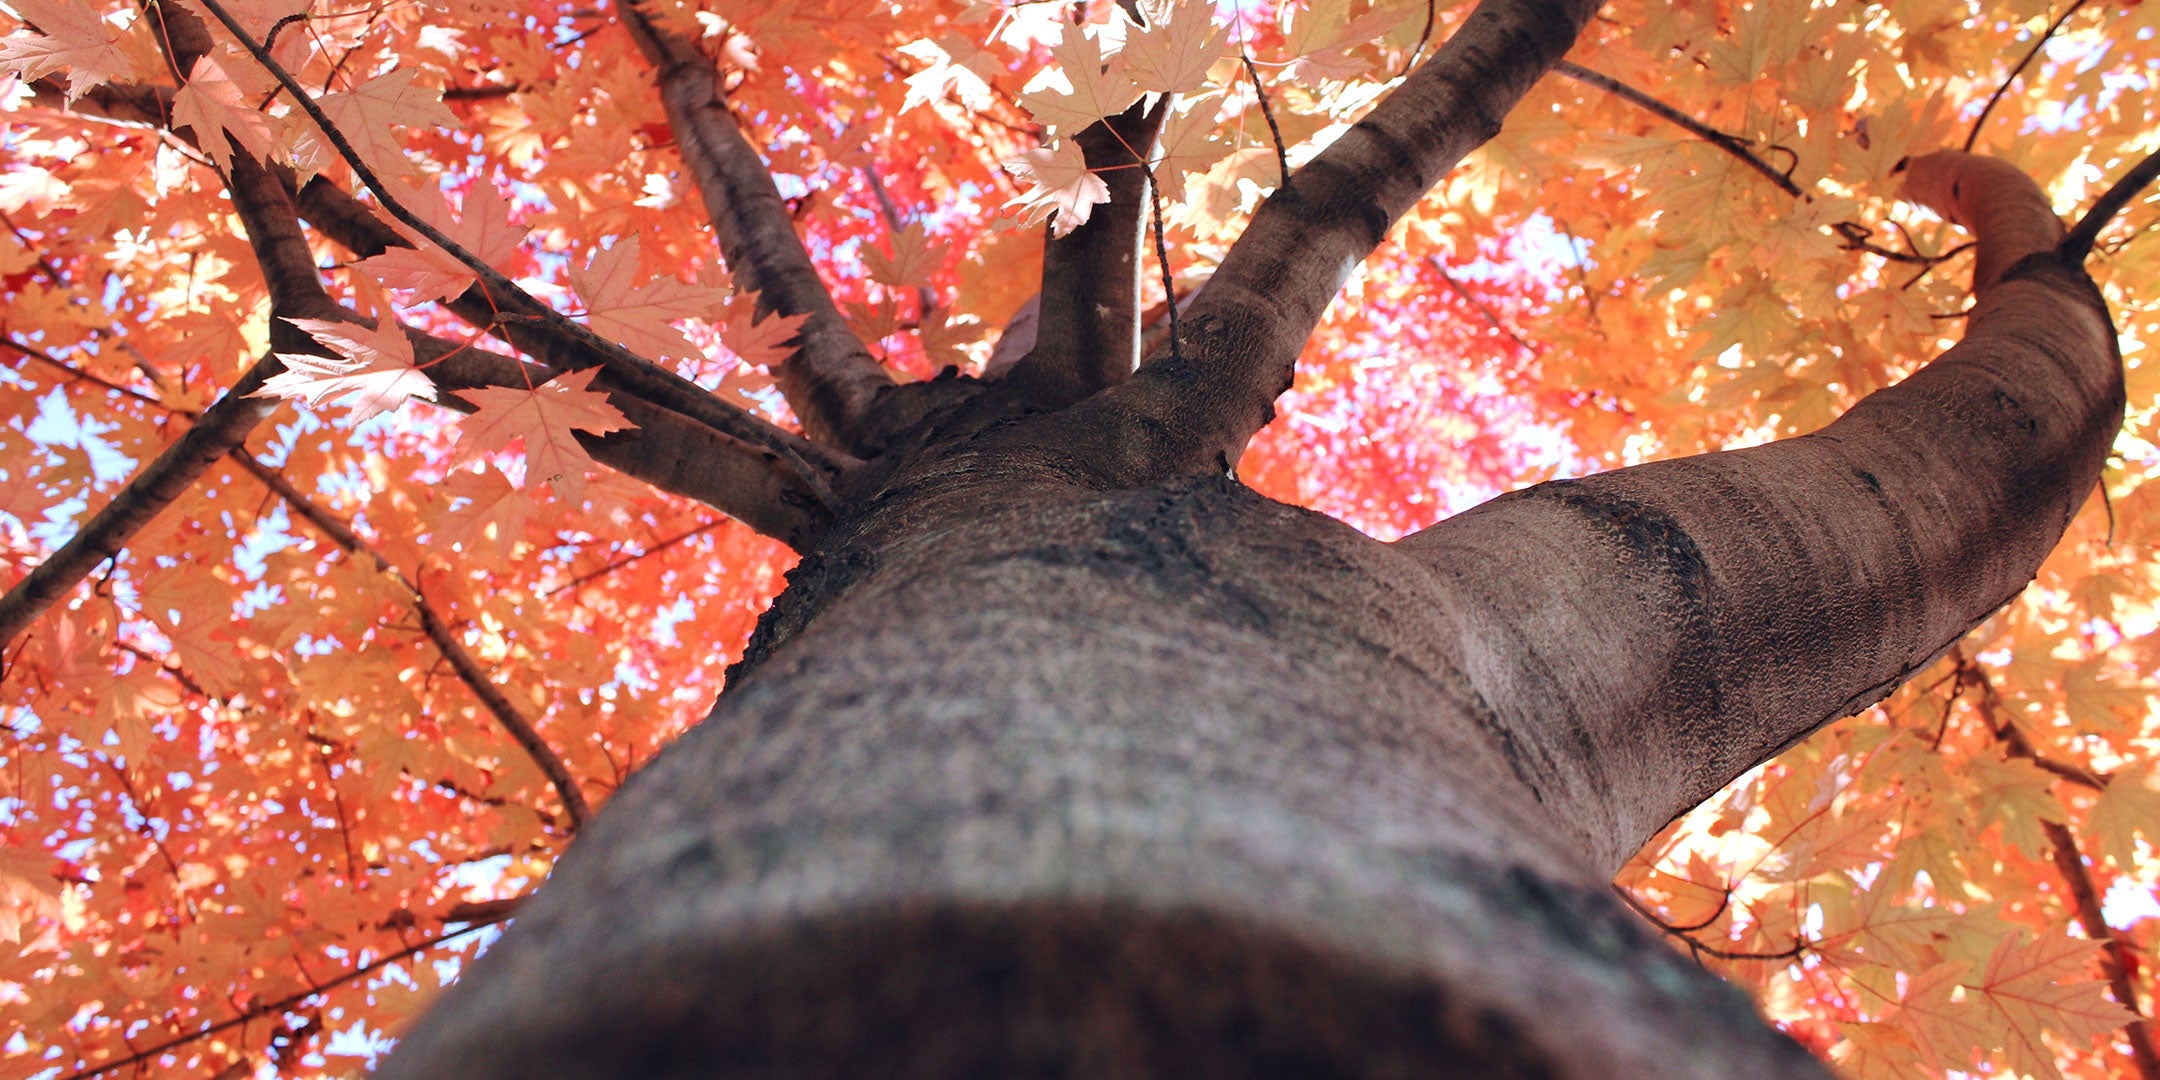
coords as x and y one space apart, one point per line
1973 136
1267 112
272 1008
1731 144
1431 9
1481 307
468 670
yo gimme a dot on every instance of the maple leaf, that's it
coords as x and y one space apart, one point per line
1095 91
2129 806
488 508
956 65
367 114
546 418
482 228
1188 145
2023 991
214 106
71 36
1064 190
1172 56
638 316
1322 35
911 262
372 372
759 342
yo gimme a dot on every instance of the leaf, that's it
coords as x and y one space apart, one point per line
545 418
760 342
72 36
1063 189
2130 806
638 316
1096 92
212 105
1188 145
1173 55
367 114
372 372
482 228
911 262
489 508
957 66
2036 985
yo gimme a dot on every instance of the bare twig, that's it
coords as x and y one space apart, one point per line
1973 136
1731 144
1267 112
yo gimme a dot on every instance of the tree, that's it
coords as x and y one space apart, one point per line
1066 747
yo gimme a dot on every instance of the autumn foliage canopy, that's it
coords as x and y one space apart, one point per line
290 743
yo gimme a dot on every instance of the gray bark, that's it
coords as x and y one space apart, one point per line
1065 754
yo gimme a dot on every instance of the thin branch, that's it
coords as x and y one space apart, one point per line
273 1008
635 372
832 381
1799 945
1731 144
1973 136
461 661
925 299
1491 317
1424 38
2118 956
618 563
1267 112
2079 242
273 231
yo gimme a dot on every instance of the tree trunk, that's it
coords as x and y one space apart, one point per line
1177 781
1062 757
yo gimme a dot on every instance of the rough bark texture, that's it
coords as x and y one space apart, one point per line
1031 772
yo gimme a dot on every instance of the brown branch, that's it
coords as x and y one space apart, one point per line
634 372
1973 136
2118 956
1088 319
832 381
615 564
272 1008
272 225
2079 242
461 661
666 449
1238 345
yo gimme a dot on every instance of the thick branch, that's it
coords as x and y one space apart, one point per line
1240 340
666 449
1738 601
832 381
2110 203
634 372
1088 330
288 268
461 661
